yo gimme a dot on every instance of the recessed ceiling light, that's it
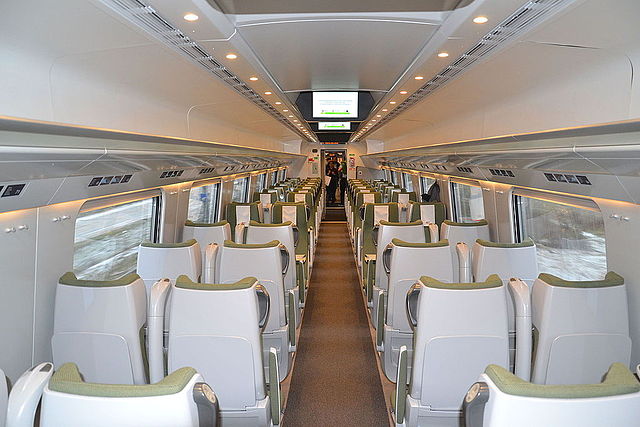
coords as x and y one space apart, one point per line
231 56
267 93
296 120
190 17
418 77
373 120
384 109
278 102
379 115
253 79
290 116
392 102
480 19
403 92
443 54
285 111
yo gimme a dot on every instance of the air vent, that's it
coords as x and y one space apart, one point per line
106 180
520 21
464 169
571 179
145 17
502 172
171 174
206 170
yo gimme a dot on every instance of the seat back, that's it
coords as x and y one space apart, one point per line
374 213
466 232
296 213
451 346
180 399
262 261
98 325
265 233
215 328
265 197
511 401
412 232
408 262
207 233
433 212
241 213
169 260
581 328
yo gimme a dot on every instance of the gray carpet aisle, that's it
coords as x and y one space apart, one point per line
335 379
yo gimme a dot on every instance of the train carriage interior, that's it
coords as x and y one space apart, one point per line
254 213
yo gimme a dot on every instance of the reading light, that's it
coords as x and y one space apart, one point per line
253 79
231 56
443 55
403 92
480 19
190 17
418 77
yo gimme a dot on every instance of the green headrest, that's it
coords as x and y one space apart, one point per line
185 283
401 224
260 224
169 245
610 279
190 223
467 224
493 281
70 279
617 381
402 243
231 244
67 379
524 244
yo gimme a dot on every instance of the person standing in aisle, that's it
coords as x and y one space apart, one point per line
332 173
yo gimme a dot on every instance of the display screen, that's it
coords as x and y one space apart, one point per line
335 105
334 126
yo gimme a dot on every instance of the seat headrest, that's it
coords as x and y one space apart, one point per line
70 279
169 245
253 223
617 381
67 379
403 244
610 279
185 283
232 244
524 244
466 224
401 224
190 223
492 281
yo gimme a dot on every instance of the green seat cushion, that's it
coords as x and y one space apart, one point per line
493 281
185 283
169 245
232 244
402 243
67 379
610 279
70 279
524 244
467 224
617 381
190 223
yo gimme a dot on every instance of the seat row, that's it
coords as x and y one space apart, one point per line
227 308
431 316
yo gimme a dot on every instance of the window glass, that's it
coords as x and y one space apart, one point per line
261 182
204 203
407 181
467 202
570 239
426 183
394 177
274 177
240 190
106 240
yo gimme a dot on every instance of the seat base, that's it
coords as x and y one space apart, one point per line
418 415
278 339
393 340
259 415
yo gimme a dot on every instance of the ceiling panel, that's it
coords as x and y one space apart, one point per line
349 56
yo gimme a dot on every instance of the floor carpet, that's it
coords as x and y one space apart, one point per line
335 379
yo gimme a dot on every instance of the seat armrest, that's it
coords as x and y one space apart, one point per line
155 328
207 405
209 264
240 228
473 404
401 386
291 321
521 297
25 395
274 387
381 321
464 263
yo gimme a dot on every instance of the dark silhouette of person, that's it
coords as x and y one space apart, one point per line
332 173
343 179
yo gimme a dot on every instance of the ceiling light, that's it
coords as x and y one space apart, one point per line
231 56
278 102
378 115
443 55
267 93
290 116
190 17
392 102
403 92
384 109
373 120
253 79
285 111
480 19
295 120
418 77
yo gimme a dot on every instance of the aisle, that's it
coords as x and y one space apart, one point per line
335 378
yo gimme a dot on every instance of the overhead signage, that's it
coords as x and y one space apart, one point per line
335 126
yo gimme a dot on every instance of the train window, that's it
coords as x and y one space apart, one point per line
204 203
240 190
426 183
282 173
467 202
569 236
274 177
394 177
261 182
107 239
407 182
